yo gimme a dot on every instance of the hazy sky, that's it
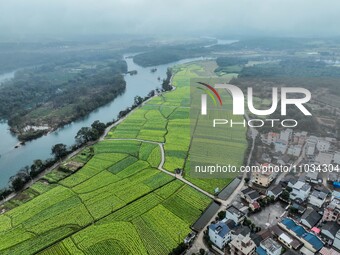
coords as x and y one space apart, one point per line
205 17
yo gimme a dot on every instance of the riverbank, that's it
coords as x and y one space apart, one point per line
76 152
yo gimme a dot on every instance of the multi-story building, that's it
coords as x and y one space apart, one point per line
300 191
310 240
336 243
234 214
300 138
271 247
336 157
219 234
332 211
323 145
324 158
264 177
242 245
317 198
286 135
294 150
272 137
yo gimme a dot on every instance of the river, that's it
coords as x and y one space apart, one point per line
12 159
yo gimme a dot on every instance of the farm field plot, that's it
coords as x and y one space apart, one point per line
86 196
146 226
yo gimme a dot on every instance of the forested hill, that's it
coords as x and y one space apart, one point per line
56 94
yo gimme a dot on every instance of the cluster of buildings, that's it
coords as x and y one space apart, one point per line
318 150
288 236
310 222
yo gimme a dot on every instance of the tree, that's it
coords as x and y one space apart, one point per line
221 215
59 150
285 195
99 126
84 135
137 100
17 183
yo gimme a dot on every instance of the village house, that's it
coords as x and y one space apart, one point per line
219 234
285 238
299 138
250 195
294 150
310 218
274 191
329 231
272 137
286 135
242 245
336 243
234 214
332 211
269 247
336 157
310 241
324 158
310 149
317 198
264 177
300 190
323 145
280 146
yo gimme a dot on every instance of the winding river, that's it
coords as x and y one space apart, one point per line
12 159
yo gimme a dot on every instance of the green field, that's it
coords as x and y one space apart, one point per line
118 202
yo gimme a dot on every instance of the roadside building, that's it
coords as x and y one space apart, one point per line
242 245
219 234
234 214
300 137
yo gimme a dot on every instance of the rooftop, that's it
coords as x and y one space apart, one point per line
220 228
311 216
319 194
270 245
232 209
276 189
302 233
332 227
